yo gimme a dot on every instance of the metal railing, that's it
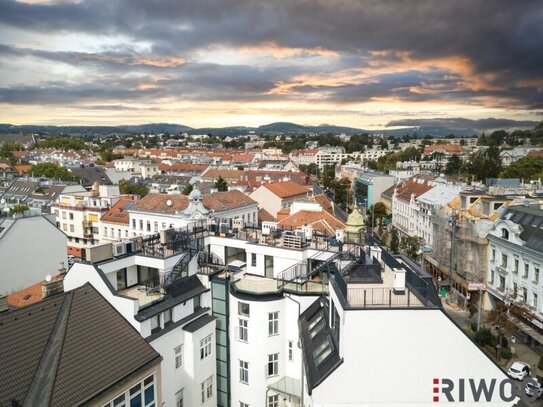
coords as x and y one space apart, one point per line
381 297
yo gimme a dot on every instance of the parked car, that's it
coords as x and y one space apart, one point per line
530 389
519 370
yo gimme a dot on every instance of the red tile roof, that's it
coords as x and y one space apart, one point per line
265 216
217 201
30 295
412 186
118 213
287 189
322 221
22 168
536 154
227 175
447 148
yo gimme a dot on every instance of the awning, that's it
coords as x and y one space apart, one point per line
288 385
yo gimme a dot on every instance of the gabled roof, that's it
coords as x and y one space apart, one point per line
447 148
287 189
66 349
412 186
265 216
322 221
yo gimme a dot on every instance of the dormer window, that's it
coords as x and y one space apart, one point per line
505 234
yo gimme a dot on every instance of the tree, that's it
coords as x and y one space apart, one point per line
341 189
528 168
454 166
221 184
21 208
394 241
411 246
499 318
7 148
50 170
127 188
188 189
379 211
483 165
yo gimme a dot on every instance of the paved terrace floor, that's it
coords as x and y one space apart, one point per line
139 293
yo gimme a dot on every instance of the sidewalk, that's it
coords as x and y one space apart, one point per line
522 352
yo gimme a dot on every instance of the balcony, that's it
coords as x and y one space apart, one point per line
259 285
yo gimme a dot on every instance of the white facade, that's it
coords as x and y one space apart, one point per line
271 202
185 367
78 215
30 248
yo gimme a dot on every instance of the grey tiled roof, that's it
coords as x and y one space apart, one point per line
199 323
66 349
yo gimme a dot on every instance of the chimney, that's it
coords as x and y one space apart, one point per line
50 287
3 303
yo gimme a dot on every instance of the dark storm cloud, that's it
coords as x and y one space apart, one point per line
459 123
501 40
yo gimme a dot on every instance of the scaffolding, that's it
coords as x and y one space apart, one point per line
469 252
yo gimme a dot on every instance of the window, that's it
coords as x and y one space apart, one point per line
140 395
242 404
504 260
71 216
179 399
515 266
133 223
273 323
505 234
155 324
65 227
207 389
243 331
141 225
148 226
243 309
526 270
167 315
63 215
253 259
502 284
72 228
524 294
273 364
244 372
156 227
205 347
534 300
536 275
178 356
290 350
273 401
196 303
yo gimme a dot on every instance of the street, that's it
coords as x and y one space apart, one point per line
522 352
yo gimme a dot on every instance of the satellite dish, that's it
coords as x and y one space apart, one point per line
2 201
169 202
48 278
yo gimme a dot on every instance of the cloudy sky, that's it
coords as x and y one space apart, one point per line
250 62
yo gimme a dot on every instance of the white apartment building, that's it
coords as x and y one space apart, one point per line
114 225
427 203
156 212
515 262
78 215
143 168
265 317
159 293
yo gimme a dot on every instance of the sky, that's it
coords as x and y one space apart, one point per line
215 63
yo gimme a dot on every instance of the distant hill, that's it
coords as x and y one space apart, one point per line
272 128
